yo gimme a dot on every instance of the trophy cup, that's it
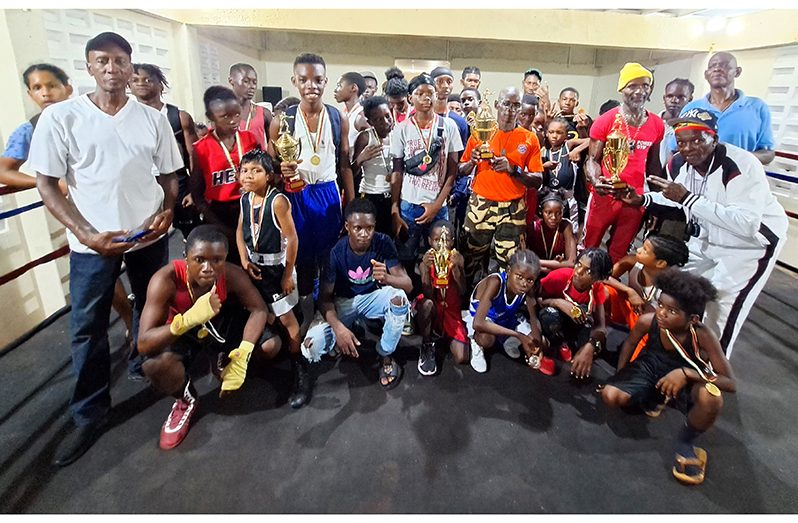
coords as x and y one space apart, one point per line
616 154
288 148
483 126
440 263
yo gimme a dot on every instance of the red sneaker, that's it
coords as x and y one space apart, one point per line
565 354
176 427
547 366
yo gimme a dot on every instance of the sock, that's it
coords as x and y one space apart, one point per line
684 442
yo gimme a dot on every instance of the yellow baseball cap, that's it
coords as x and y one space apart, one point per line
631 71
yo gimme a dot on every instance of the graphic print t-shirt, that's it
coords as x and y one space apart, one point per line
351 273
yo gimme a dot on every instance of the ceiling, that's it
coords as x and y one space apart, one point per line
679 13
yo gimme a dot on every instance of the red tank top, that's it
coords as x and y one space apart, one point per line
543 247
183 301
221 183
255 124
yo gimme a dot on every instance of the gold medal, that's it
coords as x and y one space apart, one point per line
712 389
203 333
315 159
576 312
427 159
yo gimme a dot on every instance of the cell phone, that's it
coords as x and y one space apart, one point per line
134 236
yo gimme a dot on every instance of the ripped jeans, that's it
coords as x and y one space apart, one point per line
375 306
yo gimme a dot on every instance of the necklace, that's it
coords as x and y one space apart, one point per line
576 310
315 159
249 116
633 139
379 142
427 143
549 252
227 153
554 180
706 373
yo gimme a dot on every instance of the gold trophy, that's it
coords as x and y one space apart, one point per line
616 154
483 126
440 263
288 149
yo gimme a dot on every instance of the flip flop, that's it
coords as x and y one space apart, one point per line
395 372
680 467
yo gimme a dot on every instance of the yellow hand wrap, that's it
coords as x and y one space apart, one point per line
234 372
198 314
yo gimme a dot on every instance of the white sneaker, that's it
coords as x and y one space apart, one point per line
511 348
478 362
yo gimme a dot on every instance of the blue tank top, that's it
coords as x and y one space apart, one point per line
500 311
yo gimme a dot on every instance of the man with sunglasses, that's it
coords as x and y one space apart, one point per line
496 209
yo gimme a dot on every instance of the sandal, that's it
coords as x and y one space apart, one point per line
700 462
392 371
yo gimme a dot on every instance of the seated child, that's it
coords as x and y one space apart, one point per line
267 246
559 171
551 236
439 309
495 312
572 317
362 279
682 365
176 326
626 303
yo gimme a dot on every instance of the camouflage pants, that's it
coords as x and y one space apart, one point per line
502 224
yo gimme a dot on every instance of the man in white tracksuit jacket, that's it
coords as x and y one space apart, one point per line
737 227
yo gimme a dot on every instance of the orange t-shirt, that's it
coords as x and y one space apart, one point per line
521 149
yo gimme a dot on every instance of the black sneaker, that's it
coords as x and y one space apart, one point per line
78 442
426 359
300 392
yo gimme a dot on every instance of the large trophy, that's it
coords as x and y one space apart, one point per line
616 154
483 126
288 149
440 263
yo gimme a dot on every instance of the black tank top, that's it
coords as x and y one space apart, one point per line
270 239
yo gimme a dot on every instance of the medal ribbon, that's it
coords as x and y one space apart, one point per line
550 252
249 116
207 327
573 302
257 228
319 129
707 374
428 142
227 153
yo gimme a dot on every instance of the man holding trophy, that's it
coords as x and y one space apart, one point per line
507 161
624 147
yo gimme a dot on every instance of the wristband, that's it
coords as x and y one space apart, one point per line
235 372
596 346
198 314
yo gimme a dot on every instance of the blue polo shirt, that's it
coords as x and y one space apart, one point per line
745 123
18 144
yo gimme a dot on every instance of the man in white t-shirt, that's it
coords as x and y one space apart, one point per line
104 144
423 148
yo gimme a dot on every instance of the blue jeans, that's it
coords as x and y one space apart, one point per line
91 285
417 235
375 305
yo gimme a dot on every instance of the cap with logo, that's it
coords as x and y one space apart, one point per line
697 120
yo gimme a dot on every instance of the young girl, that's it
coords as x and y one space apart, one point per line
573 315
559 171
639 296
551 236
495 312
213 182
682 364
372 156
440 307
267 244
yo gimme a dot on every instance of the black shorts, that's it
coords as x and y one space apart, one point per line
560 328
229 323
639 379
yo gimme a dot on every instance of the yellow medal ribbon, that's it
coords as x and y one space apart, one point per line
427 159
227 153
707 374
315 159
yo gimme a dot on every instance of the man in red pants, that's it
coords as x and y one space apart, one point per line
644 131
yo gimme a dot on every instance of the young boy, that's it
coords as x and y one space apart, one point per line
424 149
182 299
267 244
560 172
453 105
439 310
243 80
347 91
362 280
495 312
216 159
572 317
322 170
372 158
682 364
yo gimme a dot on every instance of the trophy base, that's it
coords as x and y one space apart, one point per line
440 283
486 155
295 185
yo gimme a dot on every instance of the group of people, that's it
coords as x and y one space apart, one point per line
394 219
